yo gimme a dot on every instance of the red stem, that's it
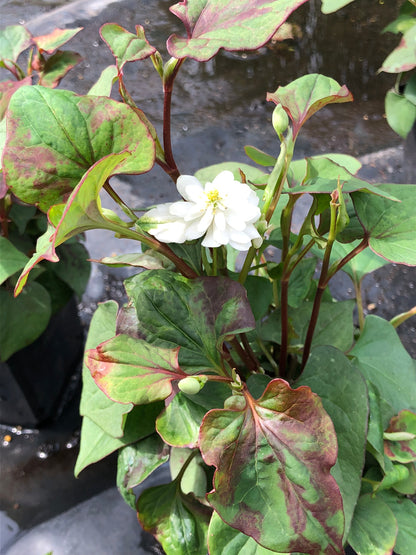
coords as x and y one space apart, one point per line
167 104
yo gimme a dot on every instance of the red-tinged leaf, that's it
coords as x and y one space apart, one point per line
125 46
130 370
13 41
232 25
178 521
49 43
55 136
400 437
57 66
7 89
273 459
308 94
403 58
82 212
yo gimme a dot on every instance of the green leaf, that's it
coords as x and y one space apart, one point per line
401 24
13 41
405 512
224 540
7 89
400 437
259 157
334 326
11 259
343 392
403 58
125 46
390 225
151 260
95 405
23 319
82 212
330 6
400 113
308 94
57 38
194 479
73 268
259 293
55 136
57 66
234 25
374 527
136 462
273 458
408 485
375 424
97 444
179 423
324 185
130 370
178 521
196 314
103 86
384 361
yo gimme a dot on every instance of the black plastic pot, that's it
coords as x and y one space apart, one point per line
33 381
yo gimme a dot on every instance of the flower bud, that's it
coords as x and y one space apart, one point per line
192 384
280 120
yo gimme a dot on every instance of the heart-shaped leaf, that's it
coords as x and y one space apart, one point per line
13 40
55 136
400 437
57 66
7 89
136 462
403 58
51 42
125 46
232 25
178 521
11 259
82 212
198 314
273 459
130 370
374 527
343 391
391 226
308 94
23 319
384 361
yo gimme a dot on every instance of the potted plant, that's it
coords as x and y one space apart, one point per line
40 333
287 427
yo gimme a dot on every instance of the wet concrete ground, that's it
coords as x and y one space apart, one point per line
214 125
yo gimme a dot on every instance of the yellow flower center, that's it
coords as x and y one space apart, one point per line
213 196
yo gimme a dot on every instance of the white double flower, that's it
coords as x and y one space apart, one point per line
223 211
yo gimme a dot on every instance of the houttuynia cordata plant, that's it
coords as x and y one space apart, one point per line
287 429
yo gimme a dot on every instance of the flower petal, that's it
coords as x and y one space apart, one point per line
189 188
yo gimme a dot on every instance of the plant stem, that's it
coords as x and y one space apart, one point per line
321 284
400 318
268 355
363 245
167 104
188 461
247 264
284 318
359 299
244 356
249 350
119 201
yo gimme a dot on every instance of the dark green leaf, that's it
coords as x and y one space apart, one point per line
259 157
73 268
198 314
273 458
343 391
178 521
23 319
136 462
405 512
260 294
11 259
57 136
308 94
384 361
234 25
57 66
374 527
